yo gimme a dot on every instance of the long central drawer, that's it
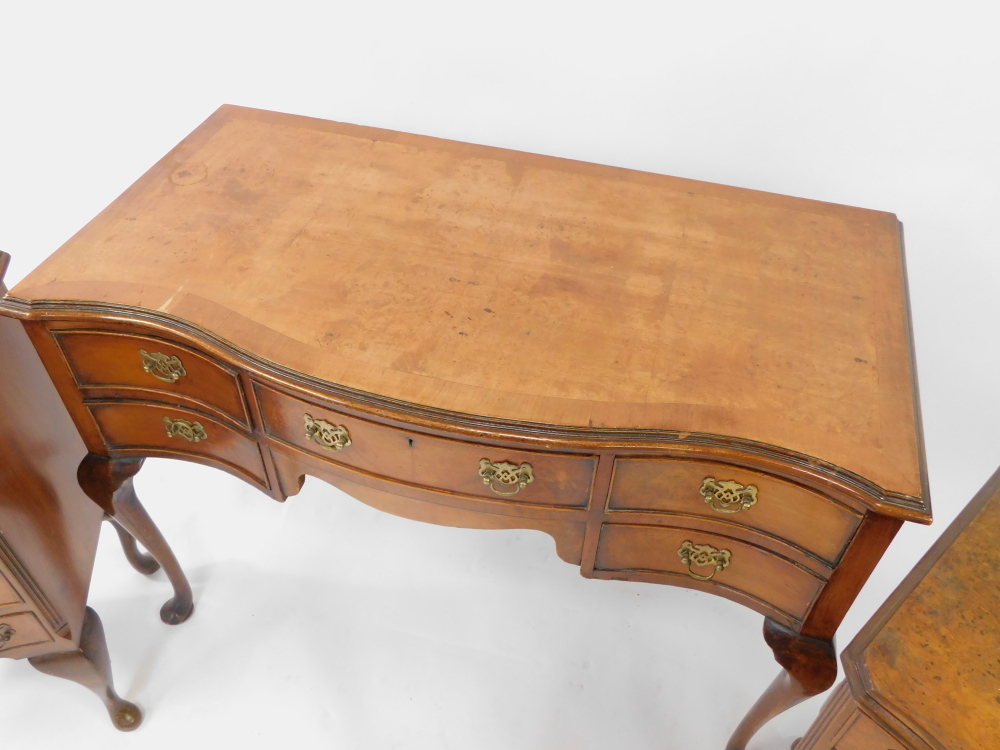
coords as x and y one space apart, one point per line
520 476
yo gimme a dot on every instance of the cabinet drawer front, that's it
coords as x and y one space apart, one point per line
163 369
804 518
438 463
8 594
866 734
20 630
157 427
747 568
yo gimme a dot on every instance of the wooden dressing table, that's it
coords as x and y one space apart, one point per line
682 383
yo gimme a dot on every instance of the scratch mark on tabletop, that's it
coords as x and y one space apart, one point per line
166 305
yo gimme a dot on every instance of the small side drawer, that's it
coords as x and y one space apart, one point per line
804 518
139 426
746 568
164 370
20 630
516 476
8 594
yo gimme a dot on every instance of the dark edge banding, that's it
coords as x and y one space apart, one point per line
888 502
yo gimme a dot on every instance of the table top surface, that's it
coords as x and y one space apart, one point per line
519 287
932 653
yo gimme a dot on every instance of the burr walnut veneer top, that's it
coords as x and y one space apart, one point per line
508 285
928 663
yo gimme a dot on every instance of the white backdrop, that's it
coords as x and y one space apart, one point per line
324 623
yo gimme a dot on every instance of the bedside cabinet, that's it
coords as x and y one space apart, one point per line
924 673
48 531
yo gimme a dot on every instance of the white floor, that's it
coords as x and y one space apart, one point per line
329 624
322 623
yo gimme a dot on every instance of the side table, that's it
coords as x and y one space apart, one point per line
924 673
682 383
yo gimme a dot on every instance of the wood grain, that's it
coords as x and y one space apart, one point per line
929 655
513 286
623 333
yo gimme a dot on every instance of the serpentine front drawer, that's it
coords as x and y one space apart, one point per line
167 372
520 476
19 630
701 559
142 427
736 495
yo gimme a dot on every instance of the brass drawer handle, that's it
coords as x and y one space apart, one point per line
6 633
703 555
327 435
728 496
167 368
190 431
505 474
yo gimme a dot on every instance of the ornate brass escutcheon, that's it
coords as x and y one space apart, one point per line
504 474
190 431
327 435
703 555
166 368
728 496
6 633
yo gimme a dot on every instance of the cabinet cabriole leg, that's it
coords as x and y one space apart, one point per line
90 666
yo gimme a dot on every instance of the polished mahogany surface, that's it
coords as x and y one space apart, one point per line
48 531
48 527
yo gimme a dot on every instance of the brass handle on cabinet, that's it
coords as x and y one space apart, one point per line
703 555
326 434
190 431
727 496
505 474
6 633
167 368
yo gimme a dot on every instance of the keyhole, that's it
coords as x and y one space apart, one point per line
410 441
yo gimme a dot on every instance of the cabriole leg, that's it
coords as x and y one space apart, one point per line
108 482
90 666
809 666
141 561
